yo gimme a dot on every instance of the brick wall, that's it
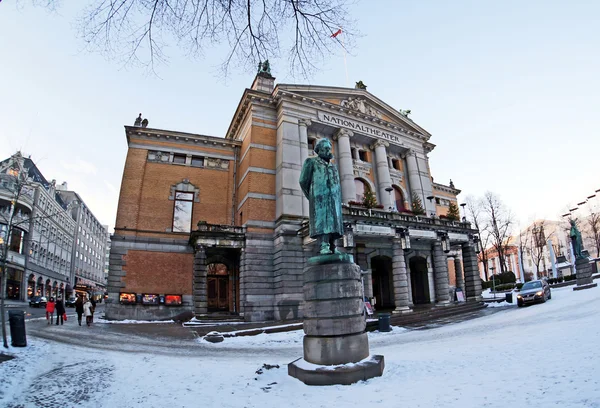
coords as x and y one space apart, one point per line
158 272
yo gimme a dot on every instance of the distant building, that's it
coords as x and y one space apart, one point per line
57 246
89 254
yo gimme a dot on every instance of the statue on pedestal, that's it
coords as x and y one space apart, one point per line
320 183
576 240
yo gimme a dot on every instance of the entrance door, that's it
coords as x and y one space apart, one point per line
419 281
217 283
381 267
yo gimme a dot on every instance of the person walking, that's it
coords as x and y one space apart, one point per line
50 306
79 307
60 310
93 302
87 310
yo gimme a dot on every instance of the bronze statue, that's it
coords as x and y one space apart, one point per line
576 240
320 183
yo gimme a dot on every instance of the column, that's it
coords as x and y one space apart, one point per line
288 194
440 267
400 279
471 270
419 181
303 125
356 154
383 172
345 163
460 282
199 284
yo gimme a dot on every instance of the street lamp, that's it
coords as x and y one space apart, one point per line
464 217
389 189
445 240
404 236
493 281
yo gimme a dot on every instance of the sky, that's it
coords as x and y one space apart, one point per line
509 91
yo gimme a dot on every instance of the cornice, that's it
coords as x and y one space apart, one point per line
181 137
249 96
446 189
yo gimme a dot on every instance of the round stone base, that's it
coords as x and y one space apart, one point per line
588 286
336 350
311 374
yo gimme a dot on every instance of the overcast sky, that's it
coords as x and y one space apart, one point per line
509 91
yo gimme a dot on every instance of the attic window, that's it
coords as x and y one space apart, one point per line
197 161
363 156
179 158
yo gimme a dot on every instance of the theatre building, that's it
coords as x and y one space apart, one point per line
219 225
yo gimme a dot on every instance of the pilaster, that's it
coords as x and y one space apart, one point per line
303 125
458 270
400 279
440 267
345 163
199 284
471 271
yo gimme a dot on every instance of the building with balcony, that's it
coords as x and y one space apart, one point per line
219 224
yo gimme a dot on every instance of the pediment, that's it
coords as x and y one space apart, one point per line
357 101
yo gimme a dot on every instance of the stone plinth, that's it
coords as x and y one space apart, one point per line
334 325
584 274
345 374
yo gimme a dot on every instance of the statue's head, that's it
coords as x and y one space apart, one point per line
323 149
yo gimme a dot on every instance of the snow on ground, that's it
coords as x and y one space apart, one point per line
537 356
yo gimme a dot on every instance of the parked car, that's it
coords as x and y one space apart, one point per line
70 302
38 301
534 292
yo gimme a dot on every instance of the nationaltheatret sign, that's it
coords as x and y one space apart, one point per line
358 127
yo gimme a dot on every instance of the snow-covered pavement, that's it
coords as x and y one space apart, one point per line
538 356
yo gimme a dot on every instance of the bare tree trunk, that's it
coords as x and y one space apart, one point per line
5 273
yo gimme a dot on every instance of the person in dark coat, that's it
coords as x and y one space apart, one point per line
93 302
60 310
79 307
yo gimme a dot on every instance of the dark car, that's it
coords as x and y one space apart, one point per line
534 292
38 301
70 302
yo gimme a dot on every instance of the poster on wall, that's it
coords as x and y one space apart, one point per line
368 308
150 299
173 300
127 298
460 296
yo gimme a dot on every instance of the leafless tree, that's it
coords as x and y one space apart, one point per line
254 30
592 229
523 249
498 223
537 244
475 217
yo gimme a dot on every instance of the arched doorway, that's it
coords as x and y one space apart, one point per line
217 286
31 286
399 199
48 290
55 290
381 267
361 187
39 288
419 281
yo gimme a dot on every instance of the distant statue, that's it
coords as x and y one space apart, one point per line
138 121
360 85
145 123
451 184
405 112
320 183
264 67
576 240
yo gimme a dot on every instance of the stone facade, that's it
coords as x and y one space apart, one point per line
244 244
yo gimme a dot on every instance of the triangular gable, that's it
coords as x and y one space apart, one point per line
359 100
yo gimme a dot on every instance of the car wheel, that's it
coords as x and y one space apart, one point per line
520 304
549 295
544 298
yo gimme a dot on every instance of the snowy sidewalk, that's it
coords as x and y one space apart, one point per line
543 355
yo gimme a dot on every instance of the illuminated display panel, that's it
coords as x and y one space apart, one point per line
173 300
150 299
127 298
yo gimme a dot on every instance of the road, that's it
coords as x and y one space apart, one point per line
40 312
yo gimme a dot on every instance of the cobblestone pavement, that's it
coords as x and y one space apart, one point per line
75 384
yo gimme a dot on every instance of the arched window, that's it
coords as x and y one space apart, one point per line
361 187
399 199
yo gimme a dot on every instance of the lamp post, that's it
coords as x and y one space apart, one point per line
493 281
463 211
389 189
430 198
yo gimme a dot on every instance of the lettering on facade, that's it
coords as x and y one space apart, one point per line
373 230
359 127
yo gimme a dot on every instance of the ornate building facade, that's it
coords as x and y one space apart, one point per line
213 224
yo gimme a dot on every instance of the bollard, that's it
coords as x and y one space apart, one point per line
384 322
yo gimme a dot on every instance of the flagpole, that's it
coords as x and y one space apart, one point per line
345 64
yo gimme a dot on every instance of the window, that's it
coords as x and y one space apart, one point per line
399 199
362 155
179 158
396 164
361 187
182 213
197 161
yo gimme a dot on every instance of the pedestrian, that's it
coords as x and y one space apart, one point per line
50 306
87 310
93 302
60 311
79 307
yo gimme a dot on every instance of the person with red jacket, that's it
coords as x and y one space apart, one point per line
50 306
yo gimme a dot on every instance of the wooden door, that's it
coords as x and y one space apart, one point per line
218 292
